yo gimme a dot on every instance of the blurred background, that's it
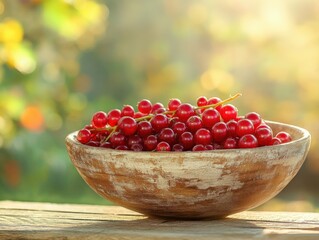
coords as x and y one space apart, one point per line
63 60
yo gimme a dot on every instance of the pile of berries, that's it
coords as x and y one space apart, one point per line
212 124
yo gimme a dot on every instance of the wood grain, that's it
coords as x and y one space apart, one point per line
20 220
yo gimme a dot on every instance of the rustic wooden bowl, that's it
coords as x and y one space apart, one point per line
191 185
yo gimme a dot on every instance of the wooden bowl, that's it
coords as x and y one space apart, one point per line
191 185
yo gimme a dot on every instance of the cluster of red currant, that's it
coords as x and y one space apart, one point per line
212 124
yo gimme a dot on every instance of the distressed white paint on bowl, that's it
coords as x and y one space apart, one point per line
207 184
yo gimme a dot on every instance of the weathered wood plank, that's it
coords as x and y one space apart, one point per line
19 220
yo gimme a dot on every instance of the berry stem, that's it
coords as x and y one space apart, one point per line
220 103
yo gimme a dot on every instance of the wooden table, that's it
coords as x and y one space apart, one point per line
23 220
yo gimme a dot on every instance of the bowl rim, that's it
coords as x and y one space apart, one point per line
71 138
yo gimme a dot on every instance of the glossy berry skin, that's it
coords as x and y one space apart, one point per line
179 128
248 141
99 119
138 115
214 100
114 117
185 111
127 125
187 140
173 104
156 106
201 101
122 147
264 136
231 128
159 122
194 123
203 136
144 106
177 148
163 147
284 137
83 136
134 139
199 147
219 131
117 139
150 142
244 126
167 135
144 128
106 145
254 118
228 112
230 143
210 117
274 141
127 110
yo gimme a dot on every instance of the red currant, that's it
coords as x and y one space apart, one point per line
244 126
201 101
179 128
144 106
228 112
114 117
210 117
194 123
167 135
264 136
84 136
199 147
99 119
127 125
150 142
203 136
127 110
159 122
219 131
186 140
163 146
284 137
248 141
230 143
254 117
185 111
144 128
173 104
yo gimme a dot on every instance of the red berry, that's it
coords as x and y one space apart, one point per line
214 100
264 136
83 136
179 128
284 137
254 118
159 122
93 143
134 139
127 125
185 111
173 104
219 131
231 128
144 106
150 142
106 145
167 135
201 101
248 141
138 115
203 136
194 123
274 141
199 147
210 117
122 147
163 146
156 106
178 147
228 112
244 126
99 119
117 139
230 143
127 110
144 128
114 117
186 140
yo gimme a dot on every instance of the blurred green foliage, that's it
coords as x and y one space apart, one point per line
63 60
